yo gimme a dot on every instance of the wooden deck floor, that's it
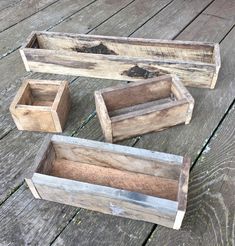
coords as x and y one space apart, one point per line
209 139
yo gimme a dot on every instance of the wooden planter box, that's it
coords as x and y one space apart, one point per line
196 63
41 105
112 179
136 108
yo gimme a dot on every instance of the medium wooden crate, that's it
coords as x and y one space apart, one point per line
196 63
112 179
136 108
41 105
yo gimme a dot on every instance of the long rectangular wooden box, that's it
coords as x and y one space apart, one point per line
133 109
112 179
196 63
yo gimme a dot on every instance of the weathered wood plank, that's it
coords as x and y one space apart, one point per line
20 11
196 63
12 38
4 4
88 18
218 18
210 214
104 199
15 229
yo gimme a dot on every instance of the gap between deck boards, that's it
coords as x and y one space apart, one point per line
90 116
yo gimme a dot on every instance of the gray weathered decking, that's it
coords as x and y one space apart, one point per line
209 139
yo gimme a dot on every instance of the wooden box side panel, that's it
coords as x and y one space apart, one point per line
144 123
106 200
120 179
117 67
184 51
140 92
34 120
61 107
161 165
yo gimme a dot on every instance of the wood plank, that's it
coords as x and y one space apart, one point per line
11 40
119 157
16 230
89 227
4 4
210 215
169 22
105 199
20 11
218 18
115 178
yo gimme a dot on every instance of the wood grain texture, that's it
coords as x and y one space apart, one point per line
138 108
22 207
41 105
53 14
225 90
210 215
216 20
114 178
14 174
104 199
90 223
20 11
225 80
83 183
89 227
133 59
117 156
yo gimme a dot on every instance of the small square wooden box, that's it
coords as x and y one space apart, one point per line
41 105
149 105
113 179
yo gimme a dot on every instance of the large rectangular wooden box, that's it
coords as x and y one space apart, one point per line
112 179
196 63
137 108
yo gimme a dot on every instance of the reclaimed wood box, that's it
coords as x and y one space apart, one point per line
196 63
41 105
112 179
133 109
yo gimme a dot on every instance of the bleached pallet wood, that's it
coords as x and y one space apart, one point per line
196 63
137 108
112 179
